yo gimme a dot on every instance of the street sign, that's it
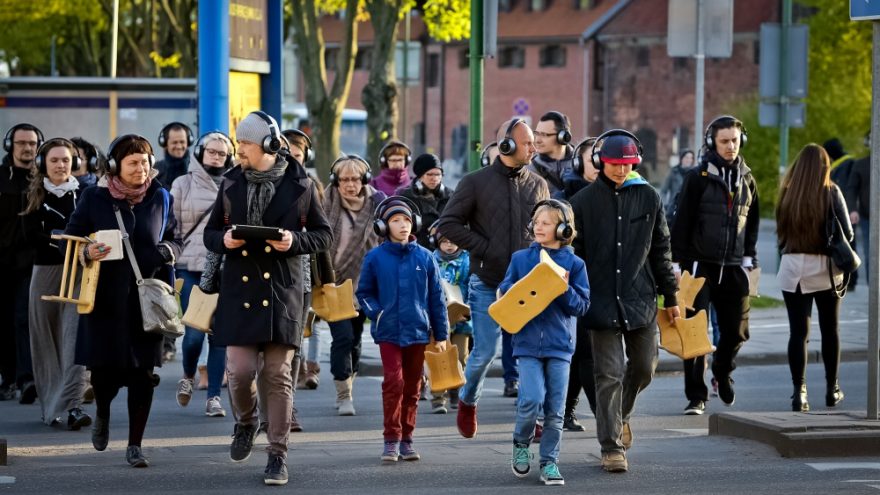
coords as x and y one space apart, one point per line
520 107
717 21
864 10
768 114
798 40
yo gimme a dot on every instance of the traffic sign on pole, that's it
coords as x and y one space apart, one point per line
864 10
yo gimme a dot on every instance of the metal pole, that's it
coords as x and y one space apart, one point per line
784 65
475 130
874 244
213 62
114 97
271 86
700 85
405 99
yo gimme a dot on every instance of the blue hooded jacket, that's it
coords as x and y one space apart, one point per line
552 333
457 272
400 291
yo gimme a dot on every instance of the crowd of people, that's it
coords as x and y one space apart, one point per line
398 237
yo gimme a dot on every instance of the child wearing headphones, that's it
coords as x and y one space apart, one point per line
400 291
544 346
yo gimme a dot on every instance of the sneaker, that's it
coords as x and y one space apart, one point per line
550 474
294 421
390 453
184 391
28 393
438 406
135 457
214 409
725 390
407 453
276 470
76 419
7 392
100 433
714 387
520 462
466 419
426 392
695 407
242 442
626 436
571 423
511 388
614 462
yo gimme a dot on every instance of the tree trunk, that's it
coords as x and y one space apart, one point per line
379 96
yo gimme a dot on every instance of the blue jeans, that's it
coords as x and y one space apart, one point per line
542 389
194 339
487 333
508 362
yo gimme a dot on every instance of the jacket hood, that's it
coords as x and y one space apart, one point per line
200 175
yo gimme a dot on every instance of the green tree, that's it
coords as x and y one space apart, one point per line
838 102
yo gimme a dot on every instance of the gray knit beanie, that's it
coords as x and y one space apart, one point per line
254 128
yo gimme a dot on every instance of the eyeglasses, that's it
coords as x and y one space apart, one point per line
217 153
350 180
32 144
545 134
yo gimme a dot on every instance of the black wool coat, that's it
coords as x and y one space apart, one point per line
261 289
112 335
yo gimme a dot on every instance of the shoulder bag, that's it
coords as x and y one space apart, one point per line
840 252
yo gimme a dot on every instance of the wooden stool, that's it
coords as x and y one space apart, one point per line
85 300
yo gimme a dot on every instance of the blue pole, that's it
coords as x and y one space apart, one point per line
270 84
213 79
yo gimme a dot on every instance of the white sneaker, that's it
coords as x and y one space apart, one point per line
214 409
184 391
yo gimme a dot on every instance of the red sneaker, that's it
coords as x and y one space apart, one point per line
467 419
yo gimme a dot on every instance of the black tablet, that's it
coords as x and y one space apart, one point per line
254 232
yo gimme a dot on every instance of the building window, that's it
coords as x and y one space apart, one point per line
364 59
432 70
506 5
756 52
552 56
539 5
464 60
512 57
330 56
643 56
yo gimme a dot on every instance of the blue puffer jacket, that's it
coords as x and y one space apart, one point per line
552 333
456 272
400 291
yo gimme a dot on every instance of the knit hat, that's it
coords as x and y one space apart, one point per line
426 162
393 207
253 128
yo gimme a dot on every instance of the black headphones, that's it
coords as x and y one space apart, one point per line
395 144
563 134
724 122
54 143
271 142
163 134
10 134
484 155
309 152
433 240
93 156
564 231
199 150
596 157
365 178
112 165
577 162
507 146
381 228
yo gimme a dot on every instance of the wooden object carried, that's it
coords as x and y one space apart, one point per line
530 295
85 299
455 306
334 302
686 338
444 368
200 310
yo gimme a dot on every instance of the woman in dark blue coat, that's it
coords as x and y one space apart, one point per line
111 341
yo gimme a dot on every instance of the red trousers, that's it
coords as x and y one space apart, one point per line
402 368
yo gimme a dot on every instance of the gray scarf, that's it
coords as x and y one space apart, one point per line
261 190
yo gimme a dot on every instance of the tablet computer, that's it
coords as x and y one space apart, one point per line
255 232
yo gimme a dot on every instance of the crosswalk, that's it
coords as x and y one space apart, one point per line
839 466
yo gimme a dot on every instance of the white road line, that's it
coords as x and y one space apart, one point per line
7 480
831 466
780 325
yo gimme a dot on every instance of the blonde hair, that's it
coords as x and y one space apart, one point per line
346 164
560 215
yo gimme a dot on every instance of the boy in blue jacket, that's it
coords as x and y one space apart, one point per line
544 346
400 292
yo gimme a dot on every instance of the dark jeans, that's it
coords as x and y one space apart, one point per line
508 362
345 349
730 298
15 342
800 307
580 374
107 381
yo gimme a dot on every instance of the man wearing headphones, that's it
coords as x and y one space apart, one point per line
261 294
715 236
555 153
488 216
624 241
428 193
175 138
16 263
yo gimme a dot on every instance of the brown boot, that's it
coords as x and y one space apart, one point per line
312 375
301 378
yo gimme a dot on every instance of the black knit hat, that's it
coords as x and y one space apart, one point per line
426 162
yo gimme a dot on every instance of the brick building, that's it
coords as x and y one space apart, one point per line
602 62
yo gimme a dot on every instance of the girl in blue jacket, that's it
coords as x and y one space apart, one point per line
400 291
544 346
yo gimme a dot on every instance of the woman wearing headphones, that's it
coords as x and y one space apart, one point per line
349 205
51 199
194 194
111 341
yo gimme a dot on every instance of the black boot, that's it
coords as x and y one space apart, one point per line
834 395
100 433
799 399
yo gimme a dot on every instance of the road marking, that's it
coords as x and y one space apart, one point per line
780 325
831 466
7 480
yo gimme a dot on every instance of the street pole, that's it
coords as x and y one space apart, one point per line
874 236
114 97
783 86
700 82
475 130
405 100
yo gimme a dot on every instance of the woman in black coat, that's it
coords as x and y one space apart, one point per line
111 340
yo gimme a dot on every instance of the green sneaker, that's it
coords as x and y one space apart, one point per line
520 461
550 474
